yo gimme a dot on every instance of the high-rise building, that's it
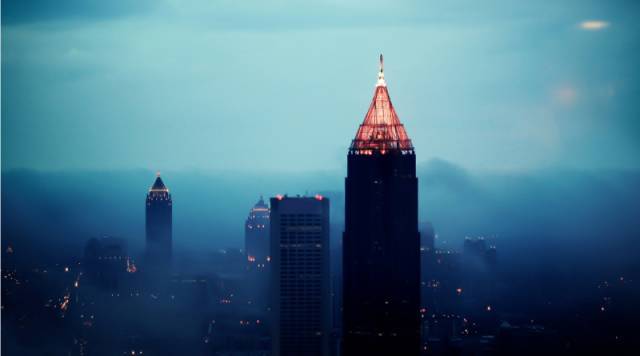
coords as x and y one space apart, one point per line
256 236
258 259
381 258
428 238
479 262
106 261
301 318
428 267
158 227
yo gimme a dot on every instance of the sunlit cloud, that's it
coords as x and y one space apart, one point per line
594 25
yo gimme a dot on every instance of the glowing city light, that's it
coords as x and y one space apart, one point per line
131 267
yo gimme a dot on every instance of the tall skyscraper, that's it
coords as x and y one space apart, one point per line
158 227
381 258
256 236
258 259
301 318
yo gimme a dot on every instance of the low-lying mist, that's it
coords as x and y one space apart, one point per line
571 219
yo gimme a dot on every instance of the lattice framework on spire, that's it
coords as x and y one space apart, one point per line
381 131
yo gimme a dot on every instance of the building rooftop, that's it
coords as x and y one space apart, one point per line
381 131
158 185
260 205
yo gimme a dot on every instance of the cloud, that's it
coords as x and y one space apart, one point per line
594 25
445 175
476 87
534 209
20 11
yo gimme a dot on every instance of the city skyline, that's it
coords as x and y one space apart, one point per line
488 87
482 199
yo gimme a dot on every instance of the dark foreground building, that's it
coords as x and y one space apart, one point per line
158 227
301 315
381 240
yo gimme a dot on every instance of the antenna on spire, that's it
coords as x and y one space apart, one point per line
381 81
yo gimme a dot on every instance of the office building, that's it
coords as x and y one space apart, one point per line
158 228
381 258
300 276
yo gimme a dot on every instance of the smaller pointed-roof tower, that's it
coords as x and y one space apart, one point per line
158 191
158 185
159 227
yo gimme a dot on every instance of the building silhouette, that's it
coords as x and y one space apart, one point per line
428 267
256 236
158 228
106 261
258 259
381 258
479 269
301 315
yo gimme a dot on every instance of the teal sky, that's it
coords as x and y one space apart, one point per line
283 86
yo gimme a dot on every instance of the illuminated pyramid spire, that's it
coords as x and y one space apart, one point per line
158 191
260 205
158 185
381 130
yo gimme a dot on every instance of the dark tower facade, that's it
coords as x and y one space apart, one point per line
381 257
300 297
158 227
